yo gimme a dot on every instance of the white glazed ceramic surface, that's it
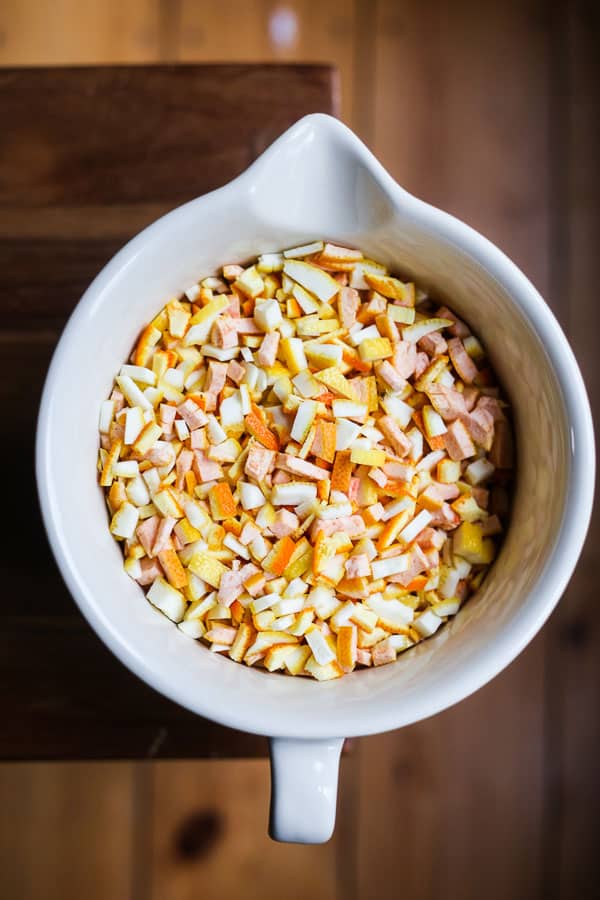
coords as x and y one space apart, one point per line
316 181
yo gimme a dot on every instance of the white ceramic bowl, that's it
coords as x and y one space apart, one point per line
319 180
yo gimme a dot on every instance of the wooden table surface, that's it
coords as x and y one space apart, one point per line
92 156
489 110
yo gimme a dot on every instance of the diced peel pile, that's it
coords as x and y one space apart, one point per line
307 461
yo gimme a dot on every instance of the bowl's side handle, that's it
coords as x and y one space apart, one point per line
304 777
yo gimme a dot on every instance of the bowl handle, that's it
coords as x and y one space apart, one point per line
304 777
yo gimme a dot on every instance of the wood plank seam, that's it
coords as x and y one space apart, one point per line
559 97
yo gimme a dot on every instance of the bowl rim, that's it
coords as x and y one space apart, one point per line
570 537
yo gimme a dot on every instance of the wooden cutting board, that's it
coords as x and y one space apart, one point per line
88 157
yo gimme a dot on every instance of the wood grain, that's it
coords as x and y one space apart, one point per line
573 728
50 32
295 31
489 110
209 838
66 831
156 134
75 182
61 685
464 791
455 802
456 134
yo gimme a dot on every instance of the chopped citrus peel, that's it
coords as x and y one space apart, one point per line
298 459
